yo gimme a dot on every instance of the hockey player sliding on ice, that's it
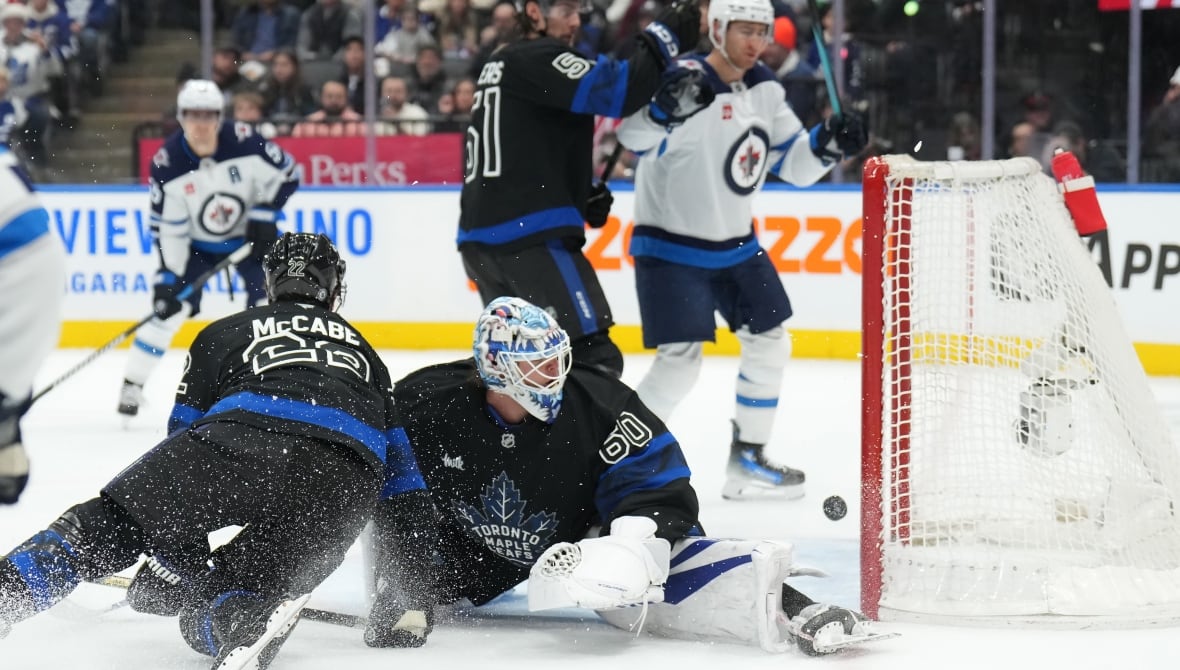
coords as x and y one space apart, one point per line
32 266
523 453
532 131
283 424
214 187
694 246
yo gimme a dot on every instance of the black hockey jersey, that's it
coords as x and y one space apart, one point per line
507 492
528 151
301 369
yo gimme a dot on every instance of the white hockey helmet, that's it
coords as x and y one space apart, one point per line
199 94
725 11
514 343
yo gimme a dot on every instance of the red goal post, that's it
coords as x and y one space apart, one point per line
1016 468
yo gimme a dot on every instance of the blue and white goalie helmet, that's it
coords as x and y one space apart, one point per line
520 351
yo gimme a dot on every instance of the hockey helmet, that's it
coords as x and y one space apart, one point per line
727 11
520 351
199 94
303 267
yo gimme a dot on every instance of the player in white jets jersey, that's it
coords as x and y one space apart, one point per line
694 246
214 187
32 269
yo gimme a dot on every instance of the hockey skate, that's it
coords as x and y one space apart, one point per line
251 636
130 397
821 629
751 475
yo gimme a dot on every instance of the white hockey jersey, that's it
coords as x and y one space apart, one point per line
694 184
29 68
205 203
22 218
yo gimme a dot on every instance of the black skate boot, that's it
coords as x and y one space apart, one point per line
130 396
751 475
243 630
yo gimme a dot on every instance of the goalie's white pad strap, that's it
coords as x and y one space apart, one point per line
628 567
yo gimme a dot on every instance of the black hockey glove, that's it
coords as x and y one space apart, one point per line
598 205
683 92
165 302
261 235
839 137
14 472
392 624
675 31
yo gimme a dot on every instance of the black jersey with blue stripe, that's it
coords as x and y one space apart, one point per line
506 492
296 368
529 147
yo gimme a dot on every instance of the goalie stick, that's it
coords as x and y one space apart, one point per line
234 258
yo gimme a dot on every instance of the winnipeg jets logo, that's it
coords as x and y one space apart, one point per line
502 524
745 164
220 213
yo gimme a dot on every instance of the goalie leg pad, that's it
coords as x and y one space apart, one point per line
720 590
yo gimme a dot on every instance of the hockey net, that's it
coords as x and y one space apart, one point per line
1016 467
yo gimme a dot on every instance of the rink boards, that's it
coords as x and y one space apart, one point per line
407 288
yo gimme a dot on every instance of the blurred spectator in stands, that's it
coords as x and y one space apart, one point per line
352 72
90 23
427 79
334 118
286 98
324 27
401 45
457 30
1161 145
963 138
226 74
398 115
966 44
389 17
494 35
801 81
169 123
1098 160
454 107
50 21
264 26
30 65
12 110
1020 140
248 109
1037 110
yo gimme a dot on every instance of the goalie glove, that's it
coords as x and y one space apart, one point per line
683 91
627 567
839 136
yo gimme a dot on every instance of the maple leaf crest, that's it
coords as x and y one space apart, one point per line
503 506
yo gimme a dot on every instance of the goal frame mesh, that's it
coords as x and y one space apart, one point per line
887 394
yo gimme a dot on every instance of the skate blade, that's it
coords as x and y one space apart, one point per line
853 641
756 491
281 621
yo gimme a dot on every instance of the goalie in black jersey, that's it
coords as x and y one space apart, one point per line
283 424
527 191
525 452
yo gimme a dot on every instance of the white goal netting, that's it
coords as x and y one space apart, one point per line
1025 470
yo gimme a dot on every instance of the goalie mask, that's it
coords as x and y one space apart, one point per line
727 11
305 267
520 351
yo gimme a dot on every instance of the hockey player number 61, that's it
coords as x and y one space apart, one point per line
483 145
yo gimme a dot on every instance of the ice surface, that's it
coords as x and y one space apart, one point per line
78 442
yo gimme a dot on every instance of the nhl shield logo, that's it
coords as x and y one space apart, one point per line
508 441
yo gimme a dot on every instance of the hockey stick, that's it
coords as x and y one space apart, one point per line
611 161
817 32
234 258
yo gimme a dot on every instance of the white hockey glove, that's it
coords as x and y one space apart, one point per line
627 567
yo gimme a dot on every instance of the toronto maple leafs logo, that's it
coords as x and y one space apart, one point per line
502 524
